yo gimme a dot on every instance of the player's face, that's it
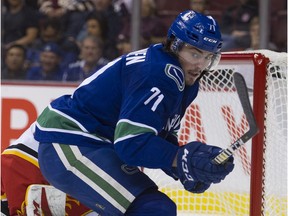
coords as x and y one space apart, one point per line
193 62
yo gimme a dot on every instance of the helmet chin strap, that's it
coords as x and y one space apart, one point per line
202 74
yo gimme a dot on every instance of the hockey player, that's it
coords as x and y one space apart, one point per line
21 176
126 115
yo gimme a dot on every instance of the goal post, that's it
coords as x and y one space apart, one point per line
258 184
260 72
260 64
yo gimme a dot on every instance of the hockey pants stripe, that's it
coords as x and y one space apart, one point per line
94 176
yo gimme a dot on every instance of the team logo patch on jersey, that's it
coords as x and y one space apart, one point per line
130 170
176 74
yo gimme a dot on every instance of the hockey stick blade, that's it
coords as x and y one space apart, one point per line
253 129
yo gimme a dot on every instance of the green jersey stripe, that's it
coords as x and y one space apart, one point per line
126 129
61 122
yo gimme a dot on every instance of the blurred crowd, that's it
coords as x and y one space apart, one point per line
67 40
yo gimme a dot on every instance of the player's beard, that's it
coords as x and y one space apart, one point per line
191 76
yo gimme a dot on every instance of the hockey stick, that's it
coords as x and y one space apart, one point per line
253 129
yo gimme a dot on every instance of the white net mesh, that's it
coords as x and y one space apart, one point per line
216 117
275 157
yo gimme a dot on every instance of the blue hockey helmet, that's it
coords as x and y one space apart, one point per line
197 30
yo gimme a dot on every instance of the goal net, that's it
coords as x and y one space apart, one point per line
258 183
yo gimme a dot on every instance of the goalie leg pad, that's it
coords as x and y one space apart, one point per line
44 200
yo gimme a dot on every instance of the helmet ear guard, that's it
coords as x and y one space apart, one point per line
176 45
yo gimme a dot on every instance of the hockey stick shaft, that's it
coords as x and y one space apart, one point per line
253 129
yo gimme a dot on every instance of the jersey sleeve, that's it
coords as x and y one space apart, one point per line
151 99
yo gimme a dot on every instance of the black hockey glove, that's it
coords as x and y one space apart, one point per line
194 164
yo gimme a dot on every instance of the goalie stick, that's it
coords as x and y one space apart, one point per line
253 129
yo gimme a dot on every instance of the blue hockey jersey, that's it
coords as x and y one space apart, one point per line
133 104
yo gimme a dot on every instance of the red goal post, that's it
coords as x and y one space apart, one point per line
258 184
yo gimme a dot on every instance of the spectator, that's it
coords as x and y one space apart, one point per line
19 24
49 68
14 63
96 25
199 6
153 30
123 6
114 20
235 25
90 60
51 31
123 44
72 14
254 36
51 9
33 4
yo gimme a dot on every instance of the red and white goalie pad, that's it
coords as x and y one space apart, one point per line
44 200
